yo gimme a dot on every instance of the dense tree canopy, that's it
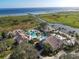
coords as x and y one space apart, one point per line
24 51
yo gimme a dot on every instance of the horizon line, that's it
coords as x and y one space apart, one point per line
37 7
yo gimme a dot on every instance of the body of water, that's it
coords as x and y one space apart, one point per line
24 11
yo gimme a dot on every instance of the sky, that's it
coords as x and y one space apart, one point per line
38 3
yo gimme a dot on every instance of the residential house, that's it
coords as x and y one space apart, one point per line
54 42
20 36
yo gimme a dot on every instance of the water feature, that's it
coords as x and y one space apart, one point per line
36 34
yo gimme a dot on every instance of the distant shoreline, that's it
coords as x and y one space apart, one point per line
24 11
24 14
21 14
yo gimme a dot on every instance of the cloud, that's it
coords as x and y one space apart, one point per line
69 3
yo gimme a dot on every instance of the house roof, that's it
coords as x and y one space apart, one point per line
54 42
20 35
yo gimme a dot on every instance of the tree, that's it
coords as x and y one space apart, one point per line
24 51
43 25
3 34
77 36
47 50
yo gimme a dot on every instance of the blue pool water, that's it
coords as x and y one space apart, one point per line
33 35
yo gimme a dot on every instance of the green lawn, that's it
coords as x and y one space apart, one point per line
66 18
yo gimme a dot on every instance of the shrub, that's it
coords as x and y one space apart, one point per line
24 51
48 51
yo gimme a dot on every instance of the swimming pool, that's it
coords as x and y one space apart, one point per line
33 34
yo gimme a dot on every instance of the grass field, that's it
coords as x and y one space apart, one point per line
66 18
16 22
